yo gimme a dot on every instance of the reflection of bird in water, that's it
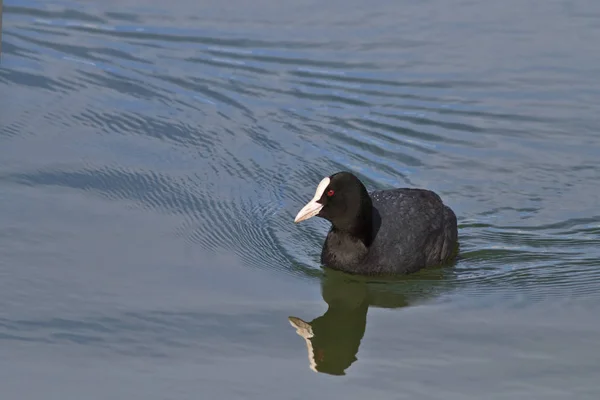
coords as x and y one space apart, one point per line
333 339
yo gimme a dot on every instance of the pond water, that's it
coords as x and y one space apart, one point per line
154 154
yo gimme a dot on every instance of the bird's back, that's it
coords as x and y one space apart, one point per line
412 229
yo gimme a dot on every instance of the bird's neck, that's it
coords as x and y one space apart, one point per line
348 243
342 251
357 228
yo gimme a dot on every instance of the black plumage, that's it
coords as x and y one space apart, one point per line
397 231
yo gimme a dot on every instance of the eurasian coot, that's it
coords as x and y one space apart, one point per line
397 231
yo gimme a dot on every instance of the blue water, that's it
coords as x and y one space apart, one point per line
153 156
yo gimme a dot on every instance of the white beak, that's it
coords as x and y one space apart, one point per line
313 207
308 211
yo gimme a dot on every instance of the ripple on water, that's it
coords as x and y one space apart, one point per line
558 261
260 119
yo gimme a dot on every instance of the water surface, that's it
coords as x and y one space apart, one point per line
153 156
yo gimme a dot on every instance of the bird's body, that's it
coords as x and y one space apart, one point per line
411 229
396 231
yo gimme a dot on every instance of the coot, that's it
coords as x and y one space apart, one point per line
397 231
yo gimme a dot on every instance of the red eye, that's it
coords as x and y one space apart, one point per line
330 193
